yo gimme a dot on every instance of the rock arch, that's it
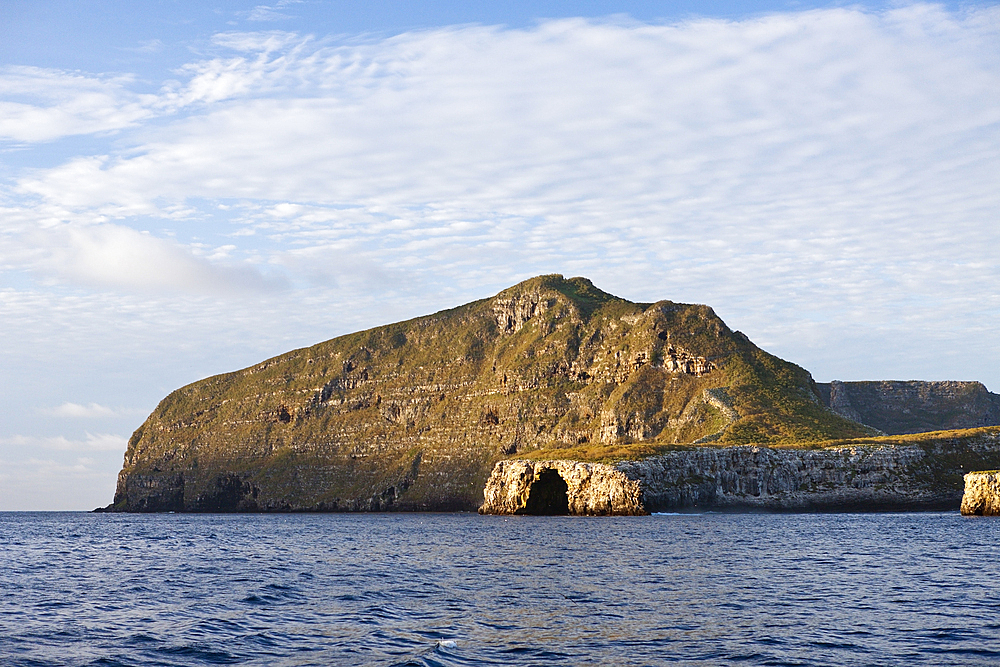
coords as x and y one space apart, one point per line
520 486
548 494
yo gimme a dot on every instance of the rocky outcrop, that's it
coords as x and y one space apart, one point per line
982 493
561 487
864 476
898 407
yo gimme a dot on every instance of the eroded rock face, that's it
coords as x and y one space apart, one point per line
152 492
982 494
750 477
899 407
845 478
590 489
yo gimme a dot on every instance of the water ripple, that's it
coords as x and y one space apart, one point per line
439 589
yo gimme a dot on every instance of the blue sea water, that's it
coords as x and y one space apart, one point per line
463 589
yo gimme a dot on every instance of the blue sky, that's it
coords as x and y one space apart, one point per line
189 188
151 38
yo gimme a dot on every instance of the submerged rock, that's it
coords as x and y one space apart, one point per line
982 493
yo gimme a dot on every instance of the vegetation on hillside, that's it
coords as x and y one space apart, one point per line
417 411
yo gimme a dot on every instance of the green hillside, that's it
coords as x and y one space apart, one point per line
413 415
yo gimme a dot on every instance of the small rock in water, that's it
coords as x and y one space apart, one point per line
982 493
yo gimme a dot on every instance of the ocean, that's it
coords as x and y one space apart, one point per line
463 589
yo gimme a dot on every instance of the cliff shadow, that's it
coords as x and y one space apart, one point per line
548 495
228 493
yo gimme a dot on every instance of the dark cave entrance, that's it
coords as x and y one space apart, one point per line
549 494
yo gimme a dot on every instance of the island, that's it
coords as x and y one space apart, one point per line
554 397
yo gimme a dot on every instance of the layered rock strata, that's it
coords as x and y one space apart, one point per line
414 415
864 477
587 489
900 407
982 493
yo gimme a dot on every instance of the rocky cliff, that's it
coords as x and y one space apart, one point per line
414 415
982 493
896 407
562 487
866 475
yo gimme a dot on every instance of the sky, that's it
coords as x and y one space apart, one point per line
188 188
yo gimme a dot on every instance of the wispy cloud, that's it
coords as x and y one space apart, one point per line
272 12
77 410
148 46
90 411
92 443
734 147
44 104
70 248
120 257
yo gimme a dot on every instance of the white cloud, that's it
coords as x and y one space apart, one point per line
91 411
101 442
149 46
272 13
829 157
786 110
44 104
119 257
113 255
266 42
77 410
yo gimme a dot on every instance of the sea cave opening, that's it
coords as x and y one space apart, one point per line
549 494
